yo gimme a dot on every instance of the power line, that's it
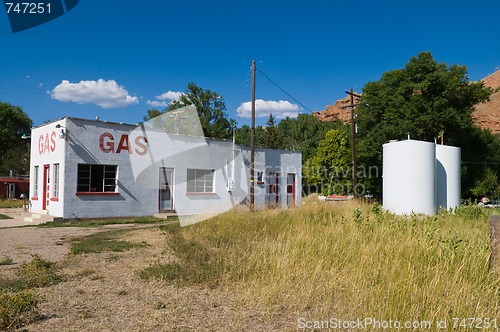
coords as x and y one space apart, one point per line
481 162
246 88
276 84
23 89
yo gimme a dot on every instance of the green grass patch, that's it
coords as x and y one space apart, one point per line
11 203
104 222
17 308
166 272
199 263
101 242
36 273
3 216
5 260
18 302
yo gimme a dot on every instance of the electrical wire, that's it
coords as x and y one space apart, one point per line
23 89
246 90
289 95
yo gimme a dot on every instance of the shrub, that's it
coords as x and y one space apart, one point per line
5 260
17 308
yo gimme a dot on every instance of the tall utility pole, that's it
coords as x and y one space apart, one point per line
352 106
252 142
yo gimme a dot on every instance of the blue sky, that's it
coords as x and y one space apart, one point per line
122 54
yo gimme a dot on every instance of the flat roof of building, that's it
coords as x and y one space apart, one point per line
98 120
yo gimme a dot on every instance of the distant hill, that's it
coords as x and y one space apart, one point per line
336 112
486 116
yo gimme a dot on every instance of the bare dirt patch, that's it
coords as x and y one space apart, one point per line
50 243
103 291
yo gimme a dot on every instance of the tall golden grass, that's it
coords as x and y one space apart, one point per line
353 260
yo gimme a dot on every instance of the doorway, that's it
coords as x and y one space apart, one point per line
12 190
273 195
46 187
166 202
290 189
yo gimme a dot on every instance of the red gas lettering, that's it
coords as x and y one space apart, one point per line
124 144
141 141
47 143
40 144
108 146
46 146
53 141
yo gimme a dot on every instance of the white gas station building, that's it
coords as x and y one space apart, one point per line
91 169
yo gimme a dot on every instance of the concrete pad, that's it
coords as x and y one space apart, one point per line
18 216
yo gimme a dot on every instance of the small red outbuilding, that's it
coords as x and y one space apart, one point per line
13 187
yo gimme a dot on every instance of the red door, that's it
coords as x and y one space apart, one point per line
290 189
46 187
273 191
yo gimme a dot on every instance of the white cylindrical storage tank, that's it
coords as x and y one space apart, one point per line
409 177
448 175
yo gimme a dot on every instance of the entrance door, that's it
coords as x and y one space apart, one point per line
12 190
46 187
166 184
273 194
290 189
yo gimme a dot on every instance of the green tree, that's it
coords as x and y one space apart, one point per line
14 151
425 100
304 133
480 159
151 114
486 185
243 135
329 171
210 107
271 136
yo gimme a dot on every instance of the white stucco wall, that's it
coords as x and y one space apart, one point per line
139 153
47 149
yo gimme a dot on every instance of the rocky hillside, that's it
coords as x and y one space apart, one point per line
486 116
337 111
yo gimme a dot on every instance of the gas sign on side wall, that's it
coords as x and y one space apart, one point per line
47 143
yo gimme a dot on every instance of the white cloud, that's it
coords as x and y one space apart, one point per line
171 95
107 94
156 103
280 109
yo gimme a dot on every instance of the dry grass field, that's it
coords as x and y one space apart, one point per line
277 270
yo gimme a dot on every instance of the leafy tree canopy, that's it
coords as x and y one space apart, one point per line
329 171
425 100
271 137
304 133
14 151
151 114
210 107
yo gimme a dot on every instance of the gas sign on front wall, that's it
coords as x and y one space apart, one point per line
47 143
108 144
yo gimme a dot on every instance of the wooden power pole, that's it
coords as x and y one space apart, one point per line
252 143
352 106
